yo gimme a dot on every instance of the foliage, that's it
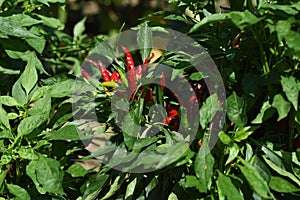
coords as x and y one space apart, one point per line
255 47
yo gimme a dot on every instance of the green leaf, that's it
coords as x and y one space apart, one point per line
11 28
38 43
76 170
9 71
282 172
242 134
46 175
69 132
8 101
27 153
292 39
51 22
203 167
130 189
225 138
236 110
29 124
144 39
2 179
233 153
174 153
18 92
114 187
256 182
227 188
282 106
23 20
6 133
94 185
20 193
240 19
172 196
290 88
209 109
41 106
4 118
191 181
29 77
265 113
282 185
208 19
197 76
79 28
69 87
243 19
261 168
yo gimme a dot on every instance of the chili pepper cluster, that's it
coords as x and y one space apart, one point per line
135 74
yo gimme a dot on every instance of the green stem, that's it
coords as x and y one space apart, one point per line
263 56
291 131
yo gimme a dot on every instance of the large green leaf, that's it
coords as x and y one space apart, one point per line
20 193
209 109
144 39
11 28
23 20
46 175
266 112
261 168
174 153
256 182
94 185
236 110
282 185
68 88
41 106
282 171
51 22
79 28
8 101
18 92
243 19
29 124
227 188
69 132
290 88
29 77
282 106
203 167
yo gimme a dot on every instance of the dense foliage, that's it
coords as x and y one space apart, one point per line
256 47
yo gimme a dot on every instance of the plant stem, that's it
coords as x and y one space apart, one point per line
291 131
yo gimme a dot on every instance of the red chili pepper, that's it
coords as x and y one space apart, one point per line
115 76
84 73
130 69
162 80
129 59
8 170
106 75
145 65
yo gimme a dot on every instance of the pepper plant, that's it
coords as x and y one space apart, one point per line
255 45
